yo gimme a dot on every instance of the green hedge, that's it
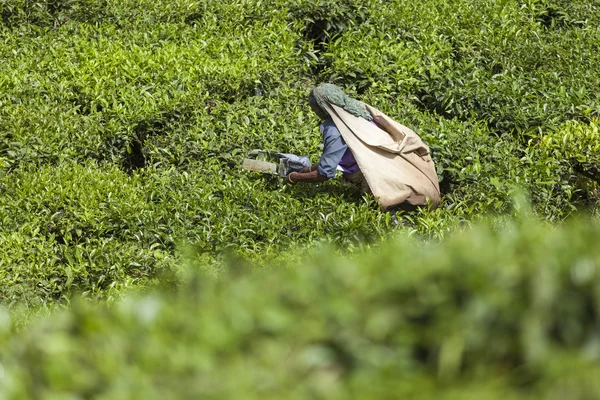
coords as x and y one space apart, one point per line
123 125
515 65
510 312
90 228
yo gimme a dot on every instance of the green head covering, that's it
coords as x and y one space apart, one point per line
332 94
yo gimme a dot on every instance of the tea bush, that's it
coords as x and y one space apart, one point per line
568 157
99 228
494 313
510 64
123 125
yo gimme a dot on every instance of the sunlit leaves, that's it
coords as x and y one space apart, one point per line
122 125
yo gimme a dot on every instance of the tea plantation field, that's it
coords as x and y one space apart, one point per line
137 259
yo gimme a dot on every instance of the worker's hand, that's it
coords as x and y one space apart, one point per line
290 179
310 168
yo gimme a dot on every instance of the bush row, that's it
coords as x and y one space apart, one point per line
78 212
87 228
515 65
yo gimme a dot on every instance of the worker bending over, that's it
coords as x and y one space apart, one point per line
372 151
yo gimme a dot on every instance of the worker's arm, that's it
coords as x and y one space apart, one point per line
312 176
333 150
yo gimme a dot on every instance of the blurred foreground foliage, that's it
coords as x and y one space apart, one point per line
506 312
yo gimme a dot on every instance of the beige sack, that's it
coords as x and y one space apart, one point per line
395 162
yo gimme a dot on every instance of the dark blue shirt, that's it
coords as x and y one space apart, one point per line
334 149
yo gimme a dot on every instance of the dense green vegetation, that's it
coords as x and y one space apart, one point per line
509 313
122 128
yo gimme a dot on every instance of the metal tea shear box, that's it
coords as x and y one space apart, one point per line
271 163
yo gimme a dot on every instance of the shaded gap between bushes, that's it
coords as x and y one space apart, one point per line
322 23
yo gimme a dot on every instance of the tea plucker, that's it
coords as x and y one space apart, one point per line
371 150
